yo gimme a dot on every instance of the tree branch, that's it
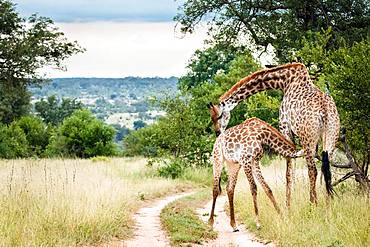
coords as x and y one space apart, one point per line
347 166
345 177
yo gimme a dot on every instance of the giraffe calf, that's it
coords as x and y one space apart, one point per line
242 146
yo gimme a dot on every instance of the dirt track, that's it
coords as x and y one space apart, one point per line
226 236
148 231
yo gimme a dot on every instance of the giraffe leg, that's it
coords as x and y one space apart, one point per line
288 134
312 175
265 186
253 188
233 171
217 160
289 178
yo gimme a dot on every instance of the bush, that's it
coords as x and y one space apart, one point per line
173 169
36 134
82 135
13 142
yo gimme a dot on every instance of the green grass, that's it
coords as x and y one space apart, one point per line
74 202
343 222
182 223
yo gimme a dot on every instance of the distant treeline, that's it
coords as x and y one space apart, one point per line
128 87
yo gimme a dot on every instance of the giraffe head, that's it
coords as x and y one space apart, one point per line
219 118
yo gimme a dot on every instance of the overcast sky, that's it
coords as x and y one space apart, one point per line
101 10
122 37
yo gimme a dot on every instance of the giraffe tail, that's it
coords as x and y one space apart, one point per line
325 169
330 135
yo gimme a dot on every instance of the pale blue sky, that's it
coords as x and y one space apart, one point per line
101 10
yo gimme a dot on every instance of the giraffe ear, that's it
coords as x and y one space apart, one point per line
209 105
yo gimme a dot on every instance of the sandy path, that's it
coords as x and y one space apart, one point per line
148 230
226 236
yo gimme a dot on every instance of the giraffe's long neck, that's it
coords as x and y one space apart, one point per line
279 143
275 78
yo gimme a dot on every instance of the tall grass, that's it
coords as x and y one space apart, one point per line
345 221
70 202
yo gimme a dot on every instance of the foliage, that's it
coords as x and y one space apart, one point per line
279 23
13 142
208 62
138 124
36 132
344 72
82 135
121 132
173 169
53 112
26 45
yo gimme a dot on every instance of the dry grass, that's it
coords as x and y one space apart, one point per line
343 222
73 202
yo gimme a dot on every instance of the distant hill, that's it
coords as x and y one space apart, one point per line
108 96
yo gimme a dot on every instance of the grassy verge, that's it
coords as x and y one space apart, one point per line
344 222
182 223
74 202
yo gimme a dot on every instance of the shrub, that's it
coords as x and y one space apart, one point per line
36 134
83 135
13 142
173 169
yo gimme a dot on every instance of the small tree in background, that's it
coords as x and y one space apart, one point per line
53 112
82 135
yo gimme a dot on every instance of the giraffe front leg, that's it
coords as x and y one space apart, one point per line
253 188
233 171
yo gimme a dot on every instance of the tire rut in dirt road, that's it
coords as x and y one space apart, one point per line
226 236
148 230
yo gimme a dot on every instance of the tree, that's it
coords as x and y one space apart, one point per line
206 63
26 45
281 23
52 111
138 124
82 135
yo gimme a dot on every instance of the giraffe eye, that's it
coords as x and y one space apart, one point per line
220 116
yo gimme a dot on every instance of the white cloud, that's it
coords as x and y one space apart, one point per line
118 49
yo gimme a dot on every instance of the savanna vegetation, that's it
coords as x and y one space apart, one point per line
69 202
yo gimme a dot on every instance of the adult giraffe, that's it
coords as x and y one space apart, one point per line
305 112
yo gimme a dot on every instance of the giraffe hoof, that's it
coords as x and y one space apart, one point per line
236 230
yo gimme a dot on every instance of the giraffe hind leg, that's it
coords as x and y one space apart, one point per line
266 187
217 169
253 188
233 171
